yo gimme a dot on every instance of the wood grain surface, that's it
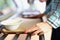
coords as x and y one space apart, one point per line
10 37
22 37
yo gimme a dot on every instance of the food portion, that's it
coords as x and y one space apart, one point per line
19 24
11 24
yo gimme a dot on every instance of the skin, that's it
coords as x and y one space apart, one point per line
39 28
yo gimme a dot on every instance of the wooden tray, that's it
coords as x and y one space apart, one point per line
17 31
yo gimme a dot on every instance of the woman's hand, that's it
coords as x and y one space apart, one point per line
39 28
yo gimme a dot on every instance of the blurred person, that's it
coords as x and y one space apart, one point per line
22 6
36 6
6 5
7 8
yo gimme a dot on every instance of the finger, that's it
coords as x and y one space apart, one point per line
41 33
33 28
36 32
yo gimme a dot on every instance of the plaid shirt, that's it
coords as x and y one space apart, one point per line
54 11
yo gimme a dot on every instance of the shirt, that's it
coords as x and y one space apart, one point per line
54 11
37 5
24 5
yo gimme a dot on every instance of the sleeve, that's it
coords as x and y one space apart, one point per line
48 8
54 20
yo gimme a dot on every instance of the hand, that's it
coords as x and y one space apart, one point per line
39 28
34 30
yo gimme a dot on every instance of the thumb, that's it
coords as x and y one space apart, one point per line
31 29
